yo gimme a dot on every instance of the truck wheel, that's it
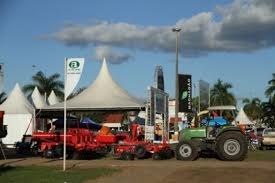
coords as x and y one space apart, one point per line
140 151
186 151
231 146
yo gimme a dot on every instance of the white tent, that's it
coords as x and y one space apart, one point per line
52 99
18 115
242 118
38 100
103 94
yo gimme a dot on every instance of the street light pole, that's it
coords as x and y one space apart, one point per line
177 31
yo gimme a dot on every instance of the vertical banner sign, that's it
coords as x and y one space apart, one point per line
73 70
185 93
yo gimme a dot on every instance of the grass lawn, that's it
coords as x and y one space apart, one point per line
268 155
36 174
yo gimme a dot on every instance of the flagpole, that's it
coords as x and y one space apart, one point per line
65 116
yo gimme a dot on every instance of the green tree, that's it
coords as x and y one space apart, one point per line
72 95
220 94
3 97
270 91
45 84
269 113
253 108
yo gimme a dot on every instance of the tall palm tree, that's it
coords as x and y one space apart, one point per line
220 94
45 84
3 97
269 113
270 91
253 108
78 91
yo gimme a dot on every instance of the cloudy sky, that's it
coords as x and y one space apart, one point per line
228 39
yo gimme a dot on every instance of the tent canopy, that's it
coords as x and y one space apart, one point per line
52 99
103 94
17 103
242 118
37 99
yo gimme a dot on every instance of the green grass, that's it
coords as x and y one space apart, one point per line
268 155
36 174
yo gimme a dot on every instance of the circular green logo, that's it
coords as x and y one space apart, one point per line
74 64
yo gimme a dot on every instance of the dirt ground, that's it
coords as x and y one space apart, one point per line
168 171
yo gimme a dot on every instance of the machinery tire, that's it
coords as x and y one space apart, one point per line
127 156
156 156
168 154
186 151
48 154
140 151
76 155
231 146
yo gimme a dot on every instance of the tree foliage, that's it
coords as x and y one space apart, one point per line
3 97
45 84
220 94
253 108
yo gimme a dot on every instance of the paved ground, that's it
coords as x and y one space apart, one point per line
170 171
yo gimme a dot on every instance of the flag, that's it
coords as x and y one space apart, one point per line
74 67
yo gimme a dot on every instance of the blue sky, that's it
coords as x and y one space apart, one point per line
135 36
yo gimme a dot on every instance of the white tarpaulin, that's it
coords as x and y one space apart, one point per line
18 115
52 99
242 118
38 100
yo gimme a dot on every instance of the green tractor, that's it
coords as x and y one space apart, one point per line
229 142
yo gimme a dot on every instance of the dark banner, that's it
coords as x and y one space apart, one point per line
185 93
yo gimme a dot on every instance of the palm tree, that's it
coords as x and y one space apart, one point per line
269 113
3 97
270 91
253 108
220 95
72 95
45 84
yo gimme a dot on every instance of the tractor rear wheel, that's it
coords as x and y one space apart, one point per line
231 146
186 151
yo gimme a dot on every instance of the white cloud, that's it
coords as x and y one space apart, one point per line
244 26
111 55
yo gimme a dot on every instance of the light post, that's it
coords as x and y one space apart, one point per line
177 31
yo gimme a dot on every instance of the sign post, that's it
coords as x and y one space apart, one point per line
72 71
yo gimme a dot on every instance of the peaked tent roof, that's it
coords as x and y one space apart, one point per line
37 99
103 94
52 99
242 118
17 103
